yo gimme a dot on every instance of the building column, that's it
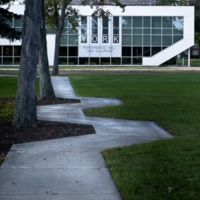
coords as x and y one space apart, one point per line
189 55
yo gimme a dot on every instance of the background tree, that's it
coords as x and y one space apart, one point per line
57 11
172 2
25 109
6 31
46 88
196 4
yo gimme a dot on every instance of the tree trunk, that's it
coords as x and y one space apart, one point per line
25 109
46 88
55 70
58 37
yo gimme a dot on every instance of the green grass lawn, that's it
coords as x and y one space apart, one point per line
162 170
170 99
8 88
166 169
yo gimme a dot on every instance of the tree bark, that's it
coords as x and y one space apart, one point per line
46 88
58 37
55 70
25 109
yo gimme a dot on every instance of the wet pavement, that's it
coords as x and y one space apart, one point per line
71 168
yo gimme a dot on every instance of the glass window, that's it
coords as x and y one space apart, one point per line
146 40
7 51
137 31
116 31
105 31
94 25
94 38
176 38
146 31
94 61
63 51
73 40
73 51
63 40
167 40
73 61
147 51
16 60
178 23
83 61
147 22
167 31
18 22
137 61
116 22
105 61
155 50
105 37
105 22
126 51
17 50
83 22
126 31
156 31
137 22
126 39
126 61
72 30
7 61
156 22
137 51
126 22
116 61
83 29
62 61
156 40
137 40
116 26
178 31
0 51
167 22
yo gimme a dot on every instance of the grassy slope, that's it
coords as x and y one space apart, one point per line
166 169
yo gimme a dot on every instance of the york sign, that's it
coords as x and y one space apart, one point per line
99 38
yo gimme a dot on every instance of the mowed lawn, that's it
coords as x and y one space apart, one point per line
162 170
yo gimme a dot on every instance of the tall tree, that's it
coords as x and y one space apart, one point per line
25 110
66 10
57 21
46 88
6 31
196 4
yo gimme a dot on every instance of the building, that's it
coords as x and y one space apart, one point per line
142 35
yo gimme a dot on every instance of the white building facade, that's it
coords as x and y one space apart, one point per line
141 35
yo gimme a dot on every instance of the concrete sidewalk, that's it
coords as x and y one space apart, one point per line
71 168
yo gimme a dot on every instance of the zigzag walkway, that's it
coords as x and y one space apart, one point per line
71 168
